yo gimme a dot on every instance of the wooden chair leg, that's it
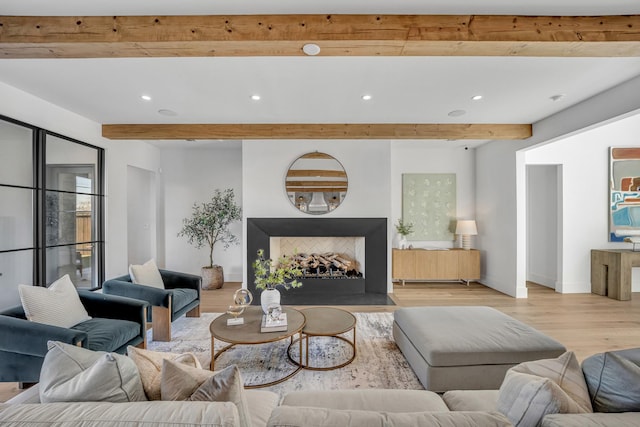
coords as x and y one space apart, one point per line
161 323
24 386
194 312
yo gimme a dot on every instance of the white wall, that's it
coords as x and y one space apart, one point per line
586 194
420 157
495 210
22 106
501 183
265 164
191 176
542 224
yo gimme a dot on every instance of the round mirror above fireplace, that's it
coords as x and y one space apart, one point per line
316 183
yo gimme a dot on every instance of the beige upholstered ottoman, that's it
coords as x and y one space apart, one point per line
466 348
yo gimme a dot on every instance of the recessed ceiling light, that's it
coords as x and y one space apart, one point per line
166 112
456 113
557 97
145 97
311 49
255 97
367 97
476 97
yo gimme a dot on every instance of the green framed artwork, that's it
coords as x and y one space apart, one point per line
429 203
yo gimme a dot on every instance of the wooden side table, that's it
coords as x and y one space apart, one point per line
441 265
611 272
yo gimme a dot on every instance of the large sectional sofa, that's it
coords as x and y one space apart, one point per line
352 408
80 387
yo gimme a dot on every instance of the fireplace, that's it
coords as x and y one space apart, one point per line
367 235
327 257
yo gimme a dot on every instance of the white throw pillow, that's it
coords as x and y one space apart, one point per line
75 374
146 274
57 305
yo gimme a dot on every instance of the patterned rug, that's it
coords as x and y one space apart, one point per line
378 363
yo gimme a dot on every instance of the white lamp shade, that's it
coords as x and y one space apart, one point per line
466 227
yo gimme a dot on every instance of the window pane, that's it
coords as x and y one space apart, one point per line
16 146
78 261
69 218
15 269
16 218
70 166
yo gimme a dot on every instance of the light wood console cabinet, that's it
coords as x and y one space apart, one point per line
423 265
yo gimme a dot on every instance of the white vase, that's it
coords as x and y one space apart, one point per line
403 242
269 297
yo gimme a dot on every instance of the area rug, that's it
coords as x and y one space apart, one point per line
378 363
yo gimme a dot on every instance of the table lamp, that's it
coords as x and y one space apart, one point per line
466 228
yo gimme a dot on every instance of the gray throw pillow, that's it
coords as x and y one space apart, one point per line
534 389
613 379
182 382
75 374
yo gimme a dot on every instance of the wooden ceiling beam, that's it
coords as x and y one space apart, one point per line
337 35
319 131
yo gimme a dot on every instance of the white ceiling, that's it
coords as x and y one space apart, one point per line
317 89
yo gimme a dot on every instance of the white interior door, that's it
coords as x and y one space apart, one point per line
141 215
544 238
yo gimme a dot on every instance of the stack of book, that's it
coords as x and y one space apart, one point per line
270 324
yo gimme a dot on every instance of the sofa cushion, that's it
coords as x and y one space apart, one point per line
471 400
261 403
181 382
534 389
289 416
104 414
146 274
368 400
149 365
108 334
613 379
57 305
627 419
71 373
182 297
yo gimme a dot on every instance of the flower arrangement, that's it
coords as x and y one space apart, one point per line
404 229
285 272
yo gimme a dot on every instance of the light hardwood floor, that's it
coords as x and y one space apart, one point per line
584 323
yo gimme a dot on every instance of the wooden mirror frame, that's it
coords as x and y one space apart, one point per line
316 183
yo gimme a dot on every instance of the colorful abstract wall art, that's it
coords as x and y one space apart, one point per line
429 203
624 189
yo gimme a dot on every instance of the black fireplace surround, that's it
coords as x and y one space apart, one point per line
369 289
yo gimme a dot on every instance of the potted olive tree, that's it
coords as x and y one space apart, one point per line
209 225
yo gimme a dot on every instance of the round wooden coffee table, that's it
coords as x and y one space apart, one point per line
326 322
249 334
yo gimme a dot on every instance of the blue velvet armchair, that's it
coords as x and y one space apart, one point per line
116 323
180 296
